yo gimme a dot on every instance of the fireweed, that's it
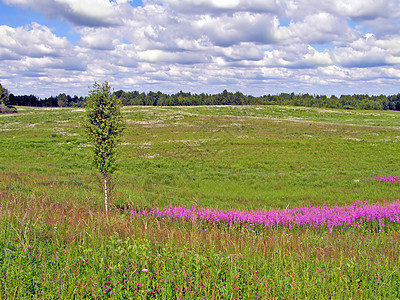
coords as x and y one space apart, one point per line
388 178
353 215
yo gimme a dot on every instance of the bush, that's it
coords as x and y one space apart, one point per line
5 105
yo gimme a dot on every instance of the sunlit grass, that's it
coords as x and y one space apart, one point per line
56 241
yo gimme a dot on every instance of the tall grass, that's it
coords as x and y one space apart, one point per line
63 250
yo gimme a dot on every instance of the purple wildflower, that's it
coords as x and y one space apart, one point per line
353 215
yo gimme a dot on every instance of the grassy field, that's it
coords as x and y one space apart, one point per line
56 241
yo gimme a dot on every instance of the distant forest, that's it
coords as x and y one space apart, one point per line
225 98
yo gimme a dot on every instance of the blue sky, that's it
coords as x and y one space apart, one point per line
257 47
14 16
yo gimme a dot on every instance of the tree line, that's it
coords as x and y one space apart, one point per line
62 100
356 101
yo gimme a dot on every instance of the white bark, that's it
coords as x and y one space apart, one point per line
105 192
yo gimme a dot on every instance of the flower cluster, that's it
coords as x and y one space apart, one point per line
388 178
353 215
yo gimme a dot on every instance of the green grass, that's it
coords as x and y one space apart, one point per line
56 240
208 156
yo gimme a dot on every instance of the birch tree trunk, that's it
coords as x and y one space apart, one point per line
105 193
104 125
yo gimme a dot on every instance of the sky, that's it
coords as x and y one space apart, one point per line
257 47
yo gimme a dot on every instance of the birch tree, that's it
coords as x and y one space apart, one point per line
104 126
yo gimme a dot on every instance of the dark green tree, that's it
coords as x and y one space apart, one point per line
104 126
62 100
5 104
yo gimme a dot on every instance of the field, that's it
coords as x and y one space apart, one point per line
57 241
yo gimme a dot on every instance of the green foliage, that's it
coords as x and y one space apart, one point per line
104 126
356 101
62 100
5 105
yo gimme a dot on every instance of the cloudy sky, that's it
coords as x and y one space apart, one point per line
253 46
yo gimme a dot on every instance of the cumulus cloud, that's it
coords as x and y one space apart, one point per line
320 28
207 45
33 40
242 52
315 58
92 13
296 57
383 27
364 9
358 10
34 50
368 52
240 27
99 38
349 57
223 6
391 45
159 56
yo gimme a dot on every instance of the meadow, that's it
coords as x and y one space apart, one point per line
297 164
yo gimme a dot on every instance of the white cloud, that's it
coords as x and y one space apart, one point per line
207 45
315 58
99 38
223 6
368 52
296 57
93 13
160 56
34 40
240 27
349 57
242 52
320 28
358 10
391 45
364 9
34 51
384 27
